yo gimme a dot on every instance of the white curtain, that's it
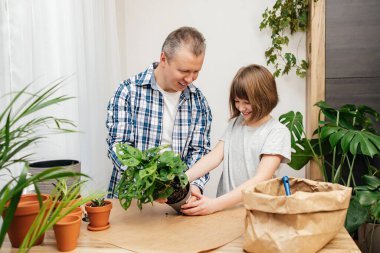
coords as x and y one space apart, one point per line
41 41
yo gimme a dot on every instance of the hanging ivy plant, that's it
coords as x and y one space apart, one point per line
285 15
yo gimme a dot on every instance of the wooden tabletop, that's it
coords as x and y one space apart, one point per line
342 243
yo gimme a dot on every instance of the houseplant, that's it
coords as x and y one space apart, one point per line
53 213
151 174
98 211
369 196
344 135
285 16
19 128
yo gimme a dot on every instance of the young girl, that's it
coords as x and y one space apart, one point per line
252 147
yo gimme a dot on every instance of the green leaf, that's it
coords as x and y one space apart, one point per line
356 215
301 155
367 198
293 121
372 182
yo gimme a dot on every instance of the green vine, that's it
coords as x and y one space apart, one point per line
285 15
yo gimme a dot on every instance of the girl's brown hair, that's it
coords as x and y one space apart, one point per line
255 84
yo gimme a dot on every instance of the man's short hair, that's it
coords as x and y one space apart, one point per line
184 36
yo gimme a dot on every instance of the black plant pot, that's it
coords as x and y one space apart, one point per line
179 196
46 186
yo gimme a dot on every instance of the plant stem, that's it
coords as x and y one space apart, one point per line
351 165
334 150
338 171
322 165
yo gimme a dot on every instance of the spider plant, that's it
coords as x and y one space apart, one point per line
19 129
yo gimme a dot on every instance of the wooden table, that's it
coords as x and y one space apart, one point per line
342 243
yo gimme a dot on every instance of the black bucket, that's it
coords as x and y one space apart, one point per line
47 186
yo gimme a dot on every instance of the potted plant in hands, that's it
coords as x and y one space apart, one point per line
19 128
340 139
98 212
369 196
150 175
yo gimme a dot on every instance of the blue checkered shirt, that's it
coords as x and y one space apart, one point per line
135 116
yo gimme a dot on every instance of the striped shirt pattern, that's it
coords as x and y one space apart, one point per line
135 116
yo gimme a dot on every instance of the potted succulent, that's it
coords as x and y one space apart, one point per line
151 174
369 196
342 137
19 128
98 212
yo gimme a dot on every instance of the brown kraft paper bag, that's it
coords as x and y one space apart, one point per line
303 222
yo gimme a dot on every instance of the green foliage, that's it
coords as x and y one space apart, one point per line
19 128
369 196
345 133
61 189
48 216
285 16
356 215
98 202
149 174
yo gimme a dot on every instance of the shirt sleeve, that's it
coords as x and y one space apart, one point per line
119 122
278 143
200 142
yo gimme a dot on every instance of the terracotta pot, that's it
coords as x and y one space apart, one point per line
26 212
98 216
71 203
77 211
66 232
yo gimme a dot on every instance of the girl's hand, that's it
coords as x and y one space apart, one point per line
201 206
194 189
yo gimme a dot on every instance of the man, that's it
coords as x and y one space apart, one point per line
162 106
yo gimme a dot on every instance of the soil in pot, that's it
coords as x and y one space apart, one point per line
179 196
26 212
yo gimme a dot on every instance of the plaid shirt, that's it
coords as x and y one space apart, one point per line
135 116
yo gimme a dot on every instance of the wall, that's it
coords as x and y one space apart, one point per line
353 52
233 40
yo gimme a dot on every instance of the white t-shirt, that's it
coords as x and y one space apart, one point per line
171 101
243 147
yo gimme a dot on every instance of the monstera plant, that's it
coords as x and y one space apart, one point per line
343 135
149 175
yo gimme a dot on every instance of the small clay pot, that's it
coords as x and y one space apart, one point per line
77 211
66 232
98 216
26 212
